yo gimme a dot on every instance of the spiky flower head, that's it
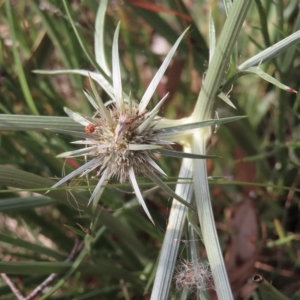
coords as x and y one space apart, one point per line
119 141
120 138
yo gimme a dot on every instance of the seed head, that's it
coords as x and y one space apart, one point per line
193 275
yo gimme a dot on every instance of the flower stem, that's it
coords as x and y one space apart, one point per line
169 250
207 224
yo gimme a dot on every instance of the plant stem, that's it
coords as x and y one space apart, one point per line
169 250
204 110
207 224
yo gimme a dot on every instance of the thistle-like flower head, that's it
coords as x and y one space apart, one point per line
120 141
121 136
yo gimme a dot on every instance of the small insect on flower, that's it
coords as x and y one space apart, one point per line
89 129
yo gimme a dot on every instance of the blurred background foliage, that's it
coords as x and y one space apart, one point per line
256 204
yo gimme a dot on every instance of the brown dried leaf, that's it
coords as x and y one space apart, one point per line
242 250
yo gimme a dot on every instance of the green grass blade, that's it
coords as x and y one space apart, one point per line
259 72
271 52
18 203
179 154
41 250
99 37
37 123
17 59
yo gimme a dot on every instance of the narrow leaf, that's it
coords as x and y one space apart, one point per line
101 107
227 4
99 37
169 191
18 63
156 166
138 193
76 172
225 98
19 242
76 153
37 123
152 115
69 132
89 142
91 100
96 195
139 147
19 179
212 36
18 203
192 126
179 154
82 43
269 78
117 82
76 117
272 51
96 76
159 74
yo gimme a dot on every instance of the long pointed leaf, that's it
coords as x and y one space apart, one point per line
138 193
212 36
152 115
179 154
101 107
76 117
269 78
69 132
159 74
271 52
99 37
169 191
76 153
96 76
95 197
24 180
225 98
192 126
76 172
36 123
117 82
